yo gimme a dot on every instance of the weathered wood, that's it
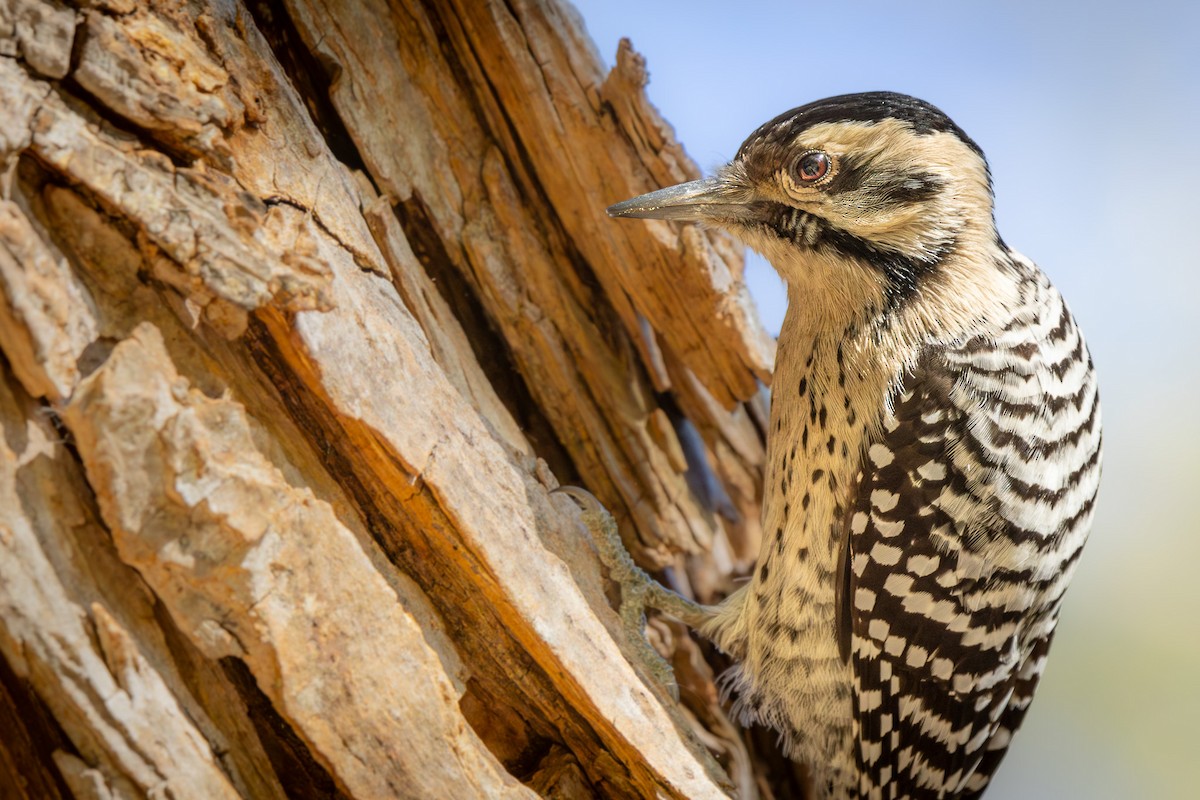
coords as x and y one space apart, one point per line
254 568
505 173
115 707
304 311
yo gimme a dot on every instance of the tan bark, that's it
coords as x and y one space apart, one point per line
304 310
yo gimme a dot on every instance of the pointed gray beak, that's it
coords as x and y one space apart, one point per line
705 199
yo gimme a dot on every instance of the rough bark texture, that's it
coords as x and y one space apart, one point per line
304 310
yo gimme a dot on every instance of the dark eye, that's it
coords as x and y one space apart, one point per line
812 166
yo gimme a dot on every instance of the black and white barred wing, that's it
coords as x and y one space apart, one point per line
966 525
916 642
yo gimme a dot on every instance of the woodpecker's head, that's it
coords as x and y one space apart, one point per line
863 197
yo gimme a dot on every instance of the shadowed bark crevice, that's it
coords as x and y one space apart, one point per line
300 775
31 737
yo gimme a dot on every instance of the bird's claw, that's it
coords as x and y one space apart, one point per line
638 589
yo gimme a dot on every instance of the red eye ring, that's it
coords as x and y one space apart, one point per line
812 166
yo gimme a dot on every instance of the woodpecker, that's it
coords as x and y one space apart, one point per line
933 453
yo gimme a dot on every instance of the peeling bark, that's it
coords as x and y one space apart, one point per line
304 311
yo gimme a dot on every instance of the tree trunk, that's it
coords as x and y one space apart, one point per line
304 311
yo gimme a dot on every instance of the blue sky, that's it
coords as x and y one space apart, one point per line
1089 114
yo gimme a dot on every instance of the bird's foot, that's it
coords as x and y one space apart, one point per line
638 589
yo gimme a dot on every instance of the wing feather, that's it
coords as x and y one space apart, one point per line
934 666
961 536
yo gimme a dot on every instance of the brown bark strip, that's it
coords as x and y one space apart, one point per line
421 423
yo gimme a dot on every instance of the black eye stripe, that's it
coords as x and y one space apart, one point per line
913 188
886 186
